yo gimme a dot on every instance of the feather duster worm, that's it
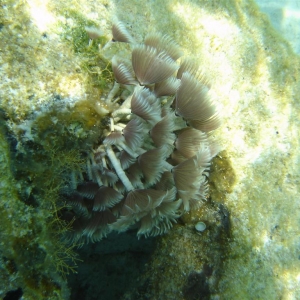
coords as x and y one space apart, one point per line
121 34
151 65
154 158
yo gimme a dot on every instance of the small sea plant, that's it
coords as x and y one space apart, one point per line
153 158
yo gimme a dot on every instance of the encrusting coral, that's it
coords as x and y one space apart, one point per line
154 156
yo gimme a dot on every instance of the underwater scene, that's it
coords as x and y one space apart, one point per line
149 149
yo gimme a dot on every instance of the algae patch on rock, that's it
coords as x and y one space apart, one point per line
222 177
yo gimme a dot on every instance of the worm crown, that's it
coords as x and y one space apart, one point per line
154 158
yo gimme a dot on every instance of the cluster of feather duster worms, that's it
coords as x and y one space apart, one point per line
154 157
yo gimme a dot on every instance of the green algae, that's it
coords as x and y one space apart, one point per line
25 236
51 142
92 61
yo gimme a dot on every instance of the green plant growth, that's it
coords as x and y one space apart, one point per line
92 61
